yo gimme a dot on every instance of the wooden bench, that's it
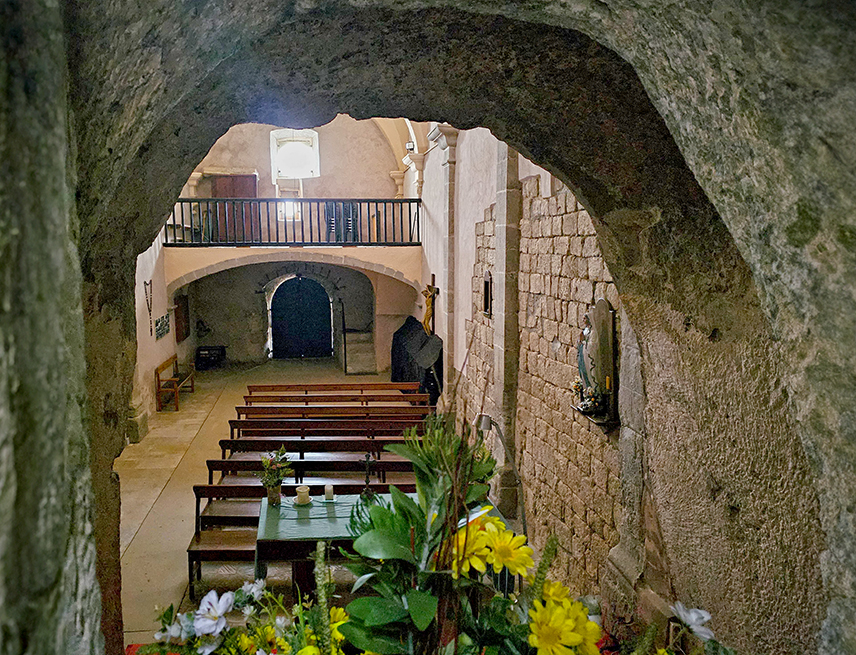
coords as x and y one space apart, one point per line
238 543
416 412
308 445
170 386
327 427
325 399
361 387
312 462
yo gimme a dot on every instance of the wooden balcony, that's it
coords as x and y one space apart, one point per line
266 222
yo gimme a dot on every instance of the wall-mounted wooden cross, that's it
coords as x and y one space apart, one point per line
430 292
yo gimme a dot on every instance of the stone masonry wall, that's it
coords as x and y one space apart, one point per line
569 465
473 393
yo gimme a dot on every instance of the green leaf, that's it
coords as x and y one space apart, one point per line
381 544
422 607
368 640
362 580
477 492
376 611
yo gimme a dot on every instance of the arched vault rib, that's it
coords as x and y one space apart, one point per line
294 255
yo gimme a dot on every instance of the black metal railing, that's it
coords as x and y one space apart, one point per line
293 222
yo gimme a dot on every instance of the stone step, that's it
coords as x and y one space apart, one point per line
361 357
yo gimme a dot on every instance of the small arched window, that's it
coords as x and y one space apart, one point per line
487 300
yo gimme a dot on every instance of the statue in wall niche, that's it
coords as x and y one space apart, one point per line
596 362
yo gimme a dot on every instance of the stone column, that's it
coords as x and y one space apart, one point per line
446 137
506 331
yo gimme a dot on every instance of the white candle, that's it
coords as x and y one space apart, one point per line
328 492
303 495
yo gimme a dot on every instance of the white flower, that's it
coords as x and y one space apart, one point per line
171 632
187 629
208 645
254 589
694 619
280 624
248 610
209 618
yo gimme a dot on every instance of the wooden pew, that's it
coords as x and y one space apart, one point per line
311 462
328 427
322 387
238 544
417 412
330 398
308 445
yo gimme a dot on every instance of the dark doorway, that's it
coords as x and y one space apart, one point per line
300 320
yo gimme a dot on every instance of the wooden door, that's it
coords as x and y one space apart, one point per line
235 221
301 320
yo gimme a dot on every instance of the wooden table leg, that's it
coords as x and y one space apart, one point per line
303 577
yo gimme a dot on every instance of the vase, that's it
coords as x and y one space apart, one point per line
274 495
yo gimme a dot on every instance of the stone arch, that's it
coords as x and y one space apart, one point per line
294 255
687 289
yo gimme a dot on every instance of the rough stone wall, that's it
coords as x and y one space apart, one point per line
473 395
49 597
233 304
570 466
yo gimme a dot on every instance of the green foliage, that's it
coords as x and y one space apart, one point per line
275 468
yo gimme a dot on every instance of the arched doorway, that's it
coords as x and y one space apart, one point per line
301 320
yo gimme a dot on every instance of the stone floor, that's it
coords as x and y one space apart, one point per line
157 500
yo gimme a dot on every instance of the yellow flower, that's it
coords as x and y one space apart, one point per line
309 650
555 591
508 550
589 630
246 644
338 616
486 519
663 651
468 551
550 631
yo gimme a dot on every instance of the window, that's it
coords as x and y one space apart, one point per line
487 301
294 154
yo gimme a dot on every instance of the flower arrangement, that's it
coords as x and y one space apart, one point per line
447 574
275 468
443 566
269 627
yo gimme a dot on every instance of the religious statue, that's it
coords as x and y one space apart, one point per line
430 292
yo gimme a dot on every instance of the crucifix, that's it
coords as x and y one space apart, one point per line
430 292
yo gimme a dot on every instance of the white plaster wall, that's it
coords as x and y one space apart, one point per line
434 234
394 302
527 169
475 189
356 159
242 149
151 352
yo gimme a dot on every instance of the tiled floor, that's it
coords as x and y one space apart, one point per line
156 479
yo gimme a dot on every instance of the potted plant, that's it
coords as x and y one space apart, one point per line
275 468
